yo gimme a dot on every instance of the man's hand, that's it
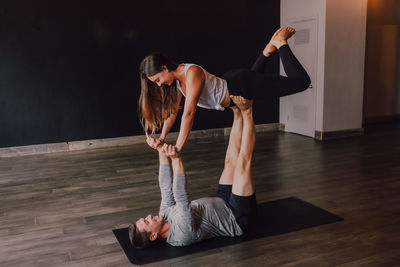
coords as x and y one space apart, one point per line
170 151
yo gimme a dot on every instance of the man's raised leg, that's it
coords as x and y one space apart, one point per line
243 184
232 152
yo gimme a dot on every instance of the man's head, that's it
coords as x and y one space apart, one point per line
145 231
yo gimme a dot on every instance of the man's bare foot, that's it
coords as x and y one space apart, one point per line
242 103
270 48
282 37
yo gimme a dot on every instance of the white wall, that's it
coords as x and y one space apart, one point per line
344 64
298 9
341 55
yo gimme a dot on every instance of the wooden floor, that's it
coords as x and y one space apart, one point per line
59 209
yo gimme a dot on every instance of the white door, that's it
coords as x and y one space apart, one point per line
297 111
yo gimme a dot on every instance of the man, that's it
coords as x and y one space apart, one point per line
181 222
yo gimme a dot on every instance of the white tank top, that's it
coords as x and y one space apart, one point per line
213 92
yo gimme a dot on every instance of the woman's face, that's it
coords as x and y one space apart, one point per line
163 77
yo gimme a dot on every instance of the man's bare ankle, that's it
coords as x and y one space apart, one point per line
247 111
235 109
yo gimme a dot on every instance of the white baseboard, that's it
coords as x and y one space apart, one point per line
322 136
107 142
32 149
119 141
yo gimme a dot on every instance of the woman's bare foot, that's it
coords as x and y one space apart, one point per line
282 37
270 48
242 103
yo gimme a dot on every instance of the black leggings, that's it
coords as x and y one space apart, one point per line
254 84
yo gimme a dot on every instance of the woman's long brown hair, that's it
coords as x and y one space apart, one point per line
156 103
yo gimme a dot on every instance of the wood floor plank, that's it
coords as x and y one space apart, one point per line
59 209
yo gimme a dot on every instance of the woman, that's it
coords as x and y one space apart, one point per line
164 82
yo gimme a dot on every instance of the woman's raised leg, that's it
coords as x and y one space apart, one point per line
253 84
269 85
263 58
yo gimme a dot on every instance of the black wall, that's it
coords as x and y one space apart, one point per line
69 69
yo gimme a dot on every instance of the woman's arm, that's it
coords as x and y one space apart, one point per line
194 85
168 123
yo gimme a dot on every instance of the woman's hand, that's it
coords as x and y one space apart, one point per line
170 151
154 142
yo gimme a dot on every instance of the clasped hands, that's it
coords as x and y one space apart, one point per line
164 148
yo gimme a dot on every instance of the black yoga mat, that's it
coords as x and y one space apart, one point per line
274 217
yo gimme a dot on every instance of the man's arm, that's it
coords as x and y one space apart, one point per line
179 187
163 158
177 166
165 182
179 183
185 235
164 179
